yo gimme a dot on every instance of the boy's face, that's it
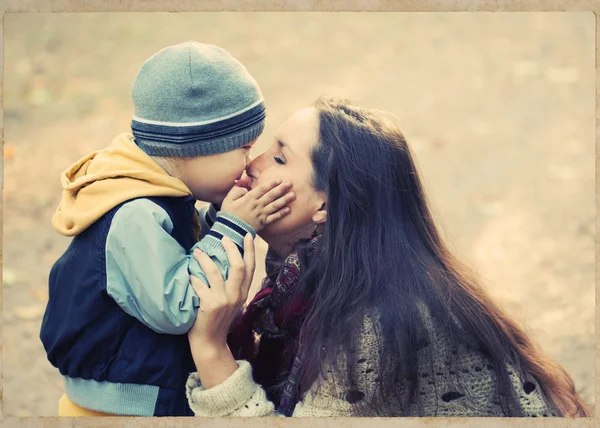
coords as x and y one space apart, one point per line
210 178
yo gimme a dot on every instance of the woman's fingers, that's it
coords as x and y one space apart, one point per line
220 304
249 264
199 286
241 270
214 277
237 270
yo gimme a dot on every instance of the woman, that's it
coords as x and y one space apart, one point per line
364 311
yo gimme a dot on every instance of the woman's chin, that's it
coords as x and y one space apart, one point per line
270 230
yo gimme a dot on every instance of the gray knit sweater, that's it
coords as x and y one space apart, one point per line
442 392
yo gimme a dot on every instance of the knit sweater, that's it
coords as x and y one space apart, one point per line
441 392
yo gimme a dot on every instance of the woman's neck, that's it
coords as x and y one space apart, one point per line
283 245
281 248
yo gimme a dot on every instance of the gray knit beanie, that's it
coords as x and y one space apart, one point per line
194 99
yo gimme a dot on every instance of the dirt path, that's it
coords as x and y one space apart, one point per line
499 109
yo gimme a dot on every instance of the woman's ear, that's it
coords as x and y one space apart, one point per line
320 216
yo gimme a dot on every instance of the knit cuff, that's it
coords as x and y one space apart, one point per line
206 217
222 399
211 215
231 226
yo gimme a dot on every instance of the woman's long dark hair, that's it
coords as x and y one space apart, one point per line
381 250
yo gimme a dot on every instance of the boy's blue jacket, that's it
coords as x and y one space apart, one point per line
120 303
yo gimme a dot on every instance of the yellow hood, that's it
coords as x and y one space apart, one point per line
103 179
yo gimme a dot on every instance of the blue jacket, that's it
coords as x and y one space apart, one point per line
120 302
120 306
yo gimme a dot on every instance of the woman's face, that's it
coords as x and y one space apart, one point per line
289 159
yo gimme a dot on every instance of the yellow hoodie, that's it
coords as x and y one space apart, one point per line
103 179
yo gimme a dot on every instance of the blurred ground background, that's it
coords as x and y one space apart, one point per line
498 107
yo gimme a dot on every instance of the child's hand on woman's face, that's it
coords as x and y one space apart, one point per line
260 206
220 304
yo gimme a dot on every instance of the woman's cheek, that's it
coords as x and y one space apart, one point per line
271 174
289 224
267 173
292 221
299 211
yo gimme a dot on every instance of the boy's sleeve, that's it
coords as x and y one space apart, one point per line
148 271
207 216
225 224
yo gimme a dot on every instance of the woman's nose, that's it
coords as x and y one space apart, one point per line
253 166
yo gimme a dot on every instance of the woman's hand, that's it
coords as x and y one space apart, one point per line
219 307
221 303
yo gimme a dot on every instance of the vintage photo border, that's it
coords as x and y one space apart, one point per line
70 6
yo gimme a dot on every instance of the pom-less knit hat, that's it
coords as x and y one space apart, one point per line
194 99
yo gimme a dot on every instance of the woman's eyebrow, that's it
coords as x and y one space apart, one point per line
283 145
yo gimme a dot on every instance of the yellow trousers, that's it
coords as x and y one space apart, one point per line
67 408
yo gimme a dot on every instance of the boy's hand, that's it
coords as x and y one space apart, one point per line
260 206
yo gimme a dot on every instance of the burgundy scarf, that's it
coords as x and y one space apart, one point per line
275 314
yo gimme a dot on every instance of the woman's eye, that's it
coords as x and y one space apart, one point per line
279 160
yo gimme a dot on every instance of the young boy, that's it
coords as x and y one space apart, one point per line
120 300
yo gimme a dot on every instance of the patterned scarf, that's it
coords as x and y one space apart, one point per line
275 314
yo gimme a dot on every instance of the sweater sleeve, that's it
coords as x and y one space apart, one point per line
239 395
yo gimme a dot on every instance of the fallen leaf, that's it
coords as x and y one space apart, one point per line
9 152
40 294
